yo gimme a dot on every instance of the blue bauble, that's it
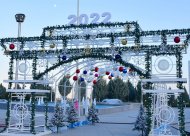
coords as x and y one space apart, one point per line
124 71
64 57
84 72
112 75
117 56
81 79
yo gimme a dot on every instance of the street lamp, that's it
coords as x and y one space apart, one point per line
19 18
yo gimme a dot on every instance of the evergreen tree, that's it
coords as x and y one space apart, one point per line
3 94
72 114
140 124
131 91
100 91
139 92
92 115
58 118
185 96
62 86
117 89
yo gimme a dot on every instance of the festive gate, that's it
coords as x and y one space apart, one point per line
125 45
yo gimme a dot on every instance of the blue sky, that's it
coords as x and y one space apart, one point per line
150 14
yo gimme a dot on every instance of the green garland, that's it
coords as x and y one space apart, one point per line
155 50
180 102
46 112
32 128
147 98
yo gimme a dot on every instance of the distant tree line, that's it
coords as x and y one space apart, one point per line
117 89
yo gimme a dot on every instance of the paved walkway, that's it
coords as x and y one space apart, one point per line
103 129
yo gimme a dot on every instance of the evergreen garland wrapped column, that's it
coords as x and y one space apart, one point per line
32 122
147 99
180 102
46 111
10 73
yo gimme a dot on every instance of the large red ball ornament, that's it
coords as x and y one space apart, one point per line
176 39
75 78
107 72
121 69
12 46
94 81
96 69
78 71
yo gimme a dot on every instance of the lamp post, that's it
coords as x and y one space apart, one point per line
20 19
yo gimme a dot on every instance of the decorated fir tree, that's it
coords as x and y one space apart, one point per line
92 115
72 114
140 123
58 118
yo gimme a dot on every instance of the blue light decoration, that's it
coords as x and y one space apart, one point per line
124 71
64 57
85 72
81 79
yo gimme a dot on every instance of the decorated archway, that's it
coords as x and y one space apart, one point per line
112 41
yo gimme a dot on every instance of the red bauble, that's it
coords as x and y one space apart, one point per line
176 39
107 72
78 71
96 75
75 78
12 46
94 82
96 69
121 69
110 77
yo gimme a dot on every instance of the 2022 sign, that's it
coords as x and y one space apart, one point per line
94 18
